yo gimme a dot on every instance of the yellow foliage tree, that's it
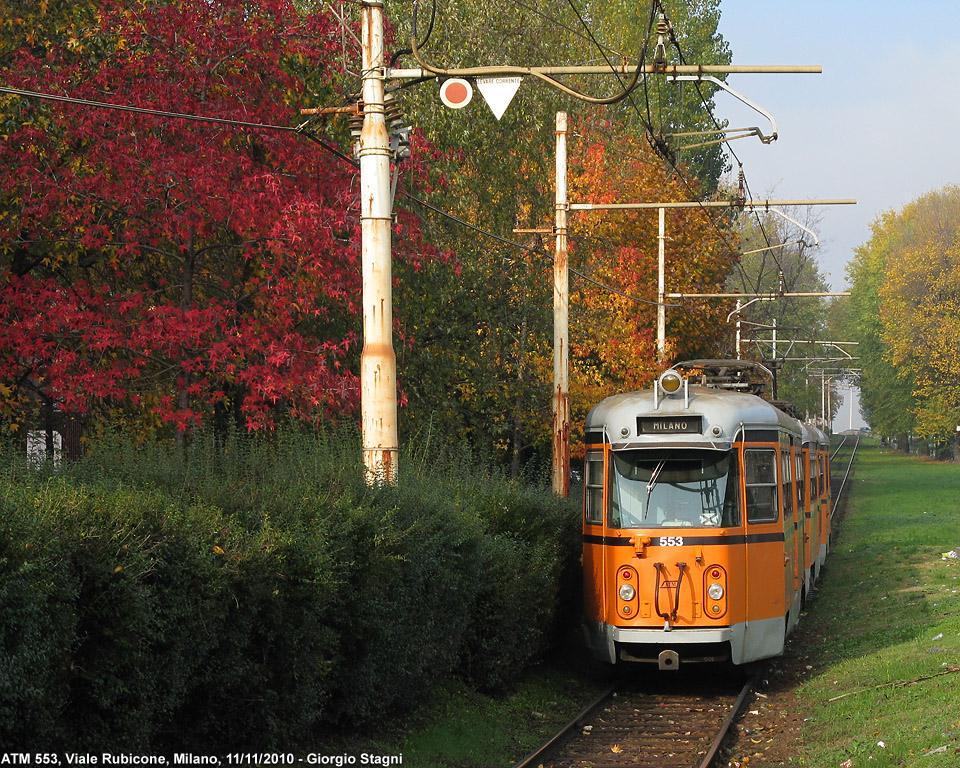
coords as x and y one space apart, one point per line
613 336
920 304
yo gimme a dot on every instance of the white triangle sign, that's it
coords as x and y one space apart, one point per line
498 92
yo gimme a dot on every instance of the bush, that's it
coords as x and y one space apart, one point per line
245 593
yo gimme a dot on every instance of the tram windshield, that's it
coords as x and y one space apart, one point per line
673 489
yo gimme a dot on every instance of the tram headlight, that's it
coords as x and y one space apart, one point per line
715 591
627 592
670 381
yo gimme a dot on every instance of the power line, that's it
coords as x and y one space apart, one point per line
301 130
561 25
145 110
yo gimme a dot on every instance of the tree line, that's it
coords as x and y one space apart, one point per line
903 312
163 273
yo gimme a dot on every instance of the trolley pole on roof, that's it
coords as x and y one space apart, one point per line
378 362
561 322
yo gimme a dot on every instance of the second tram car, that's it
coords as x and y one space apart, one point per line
706 519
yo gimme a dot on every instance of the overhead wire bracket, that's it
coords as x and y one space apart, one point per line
766 139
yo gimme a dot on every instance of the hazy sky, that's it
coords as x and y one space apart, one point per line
880 124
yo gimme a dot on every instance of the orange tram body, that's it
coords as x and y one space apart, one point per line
706 519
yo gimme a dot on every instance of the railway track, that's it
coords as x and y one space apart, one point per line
659 723
839 482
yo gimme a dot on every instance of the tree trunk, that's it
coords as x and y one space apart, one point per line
186 300
956 447
517 442
903 443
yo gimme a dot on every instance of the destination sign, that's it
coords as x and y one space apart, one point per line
669 425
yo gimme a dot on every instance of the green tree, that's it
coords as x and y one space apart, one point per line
920 303
779 258
904 309
487 311
886 392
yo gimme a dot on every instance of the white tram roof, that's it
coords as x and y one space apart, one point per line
704 417
813 434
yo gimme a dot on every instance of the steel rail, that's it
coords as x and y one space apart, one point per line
738 706
846 475
536 757
551 745
839 447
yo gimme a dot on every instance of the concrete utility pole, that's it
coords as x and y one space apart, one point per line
378 362
561 322
661 283
561 297
378 373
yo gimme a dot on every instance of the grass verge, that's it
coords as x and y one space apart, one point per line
885 628
461 728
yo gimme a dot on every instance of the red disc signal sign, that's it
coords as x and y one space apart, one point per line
456 92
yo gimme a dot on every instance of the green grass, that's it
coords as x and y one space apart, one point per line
461 728
888 612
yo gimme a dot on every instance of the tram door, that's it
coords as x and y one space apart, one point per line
594 553
767 561
793 529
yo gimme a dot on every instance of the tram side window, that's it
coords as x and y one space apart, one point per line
760 474
593 467
785 477
801 480
731 501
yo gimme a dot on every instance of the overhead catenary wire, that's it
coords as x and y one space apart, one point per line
260 126
302 130
647 123
436 71
440 71
676 44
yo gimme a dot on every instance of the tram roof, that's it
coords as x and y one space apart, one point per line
813 434
721 413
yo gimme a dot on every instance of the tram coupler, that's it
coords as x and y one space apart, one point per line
668 661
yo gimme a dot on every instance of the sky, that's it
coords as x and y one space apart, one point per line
879 125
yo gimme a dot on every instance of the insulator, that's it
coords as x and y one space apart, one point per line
356 119
392 115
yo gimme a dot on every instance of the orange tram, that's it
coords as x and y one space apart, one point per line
706 519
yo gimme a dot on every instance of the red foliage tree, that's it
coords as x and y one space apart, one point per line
171 267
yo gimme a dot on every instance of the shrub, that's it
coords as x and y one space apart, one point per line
245 593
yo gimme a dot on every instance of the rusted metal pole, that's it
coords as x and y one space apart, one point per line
561 323
378 362
661 309
739 337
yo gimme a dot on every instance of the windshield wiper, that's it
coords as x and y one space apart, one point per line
653 482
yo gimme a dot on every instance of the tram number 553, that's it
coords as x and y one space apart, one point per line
671 541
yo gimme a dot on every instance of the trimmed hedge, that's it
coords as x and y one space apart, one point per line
249 595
